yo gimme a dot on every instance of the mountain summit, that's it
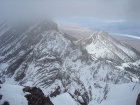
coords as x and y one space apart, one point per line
102 45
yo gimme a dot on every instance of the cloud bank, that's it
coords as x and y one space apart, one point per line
114 10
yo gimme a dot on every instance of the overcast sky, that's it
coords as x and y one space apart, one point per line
110 10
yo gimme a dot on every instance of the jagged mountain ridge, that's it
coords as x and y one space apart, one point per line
40 55
102 45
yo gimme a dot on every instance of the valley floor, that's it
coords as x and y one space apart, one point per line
135 43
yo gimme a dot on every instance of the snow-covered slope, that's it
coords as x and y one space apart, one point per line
37 54
64 99
102 45
15 96
126 95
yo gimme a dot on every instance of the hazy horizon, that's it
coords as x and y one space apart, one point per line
78 17
106 11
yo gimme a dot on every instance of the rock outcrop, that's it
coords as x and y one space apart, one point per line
138 100
36 97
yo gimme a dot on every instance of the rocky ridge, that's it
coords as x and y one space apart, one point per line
37 54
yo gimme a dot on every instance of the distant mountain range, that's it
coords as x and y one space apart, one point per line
123 27
119 27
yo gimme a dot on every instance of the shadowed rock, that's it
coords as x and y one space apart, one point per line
36 97
0 96
0 82
138 100
6 103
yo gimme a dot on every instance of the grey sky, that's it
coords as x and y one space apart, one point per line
113 10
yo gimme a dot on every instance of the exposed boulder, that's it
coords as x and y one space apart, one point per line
36 97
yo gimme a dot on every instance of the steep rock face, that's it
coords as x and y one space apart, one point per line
40 55
102 45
